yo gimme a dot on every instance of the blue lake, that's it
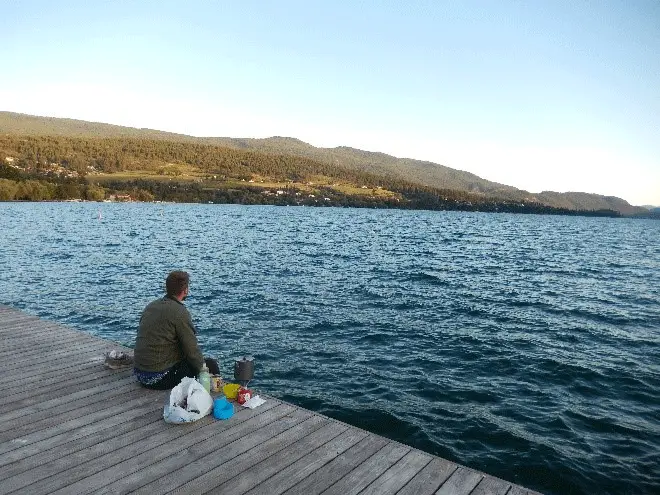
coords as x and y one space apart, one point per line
524 346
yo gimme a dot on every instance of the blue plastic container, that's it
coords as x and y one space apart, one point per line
222 408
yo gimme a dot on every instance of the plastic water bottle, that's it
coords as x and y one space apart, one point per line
204 378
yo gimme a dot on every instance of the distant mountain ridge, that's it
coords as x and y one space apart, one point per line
417 171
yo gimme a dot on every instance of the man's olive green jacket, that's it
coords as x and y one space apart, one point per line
166 336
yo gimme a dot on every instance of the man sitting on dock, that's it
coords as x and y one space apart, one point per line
166 348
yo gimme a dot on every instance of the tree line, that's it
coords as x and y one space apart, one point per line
29 176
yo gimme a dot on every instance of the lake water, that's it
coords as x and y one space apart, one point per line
524 346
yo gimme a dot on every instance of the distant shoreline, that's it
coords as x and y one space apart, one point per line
476 210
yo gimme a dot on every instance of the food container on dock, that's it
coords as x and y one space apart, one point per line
231 390
244 369
216 383
244 395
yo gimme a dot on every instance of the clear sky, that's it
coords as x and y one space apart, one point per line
541 95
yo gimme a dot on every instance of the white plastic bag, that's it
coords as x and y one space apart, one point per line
189 401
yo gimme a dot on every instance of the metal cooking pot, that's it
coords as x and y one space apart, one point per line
244 369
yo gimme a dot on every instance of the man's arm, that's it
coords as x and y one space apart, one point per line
189 346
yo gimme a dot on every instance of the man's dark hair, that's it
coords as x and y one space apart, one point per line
176 282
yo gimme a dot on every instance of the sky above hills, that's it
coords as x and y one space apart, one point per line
549 95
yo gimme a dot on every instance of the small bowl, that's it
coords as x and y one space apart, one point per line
222 409
231 390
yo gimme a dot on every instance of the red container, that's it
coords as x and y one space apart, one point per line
244 395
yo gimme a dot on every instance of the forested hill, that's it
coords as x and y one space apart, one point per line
418 172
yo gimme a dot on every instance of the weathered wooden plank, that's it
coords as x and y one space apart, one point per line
25 361
251 420
519 490
87 356
429 479
180 469
19 475
26 329
72 424
491 486
52 375
41 365
206 482
34 357
9 312
77 467
288 476
25 389
392 480
39 332
30 342
461 482
111 396
36 330
260 471
56 419
322 478
42 457
27 357
37 394
33 342
7 327
44 405
30 449
7 322
35 398
172 444
11 309
360 477
43 336
48 361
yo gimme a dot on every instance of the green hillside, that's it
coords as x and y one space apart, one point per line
37 168
346 159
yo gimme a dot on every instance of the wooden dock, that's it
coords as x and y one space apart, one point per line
70 425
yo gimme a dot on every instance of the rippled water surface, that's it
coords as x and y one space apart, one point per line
527 347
